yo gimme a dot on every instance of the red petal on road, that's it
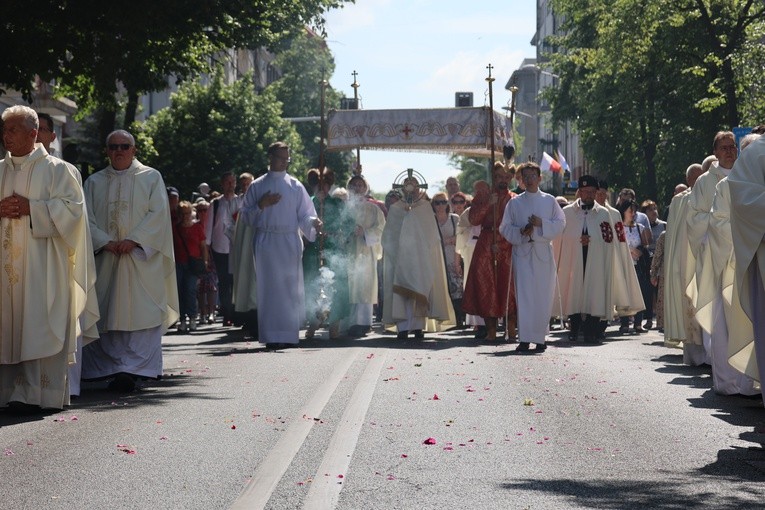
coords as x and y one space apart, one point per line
403 455
340 476
448 448
233 427
435 397
371 356
430 440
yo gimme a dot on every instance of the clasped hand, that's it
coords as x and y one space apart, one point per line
123 247
14 207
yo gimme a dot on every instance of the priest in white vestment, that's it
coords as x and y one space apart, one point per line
366 250
680 324
242 264
726 321
414 273
747 195
530 222
44 282
585 262
279 210
699 213
137 291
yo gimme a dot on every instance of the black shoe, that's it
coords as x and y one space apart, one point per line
624 330
402 335
480 333
540 348
22 408
522 347
123 383
572 336
418 334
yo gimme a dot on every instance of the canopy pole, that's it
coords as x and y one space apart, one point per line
356 86
322 164
495 247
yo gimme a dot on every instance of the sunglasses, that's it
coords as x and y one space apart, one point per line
458 202
119 146
440 202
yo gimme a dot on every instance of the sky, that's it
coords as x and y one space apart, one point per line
417 54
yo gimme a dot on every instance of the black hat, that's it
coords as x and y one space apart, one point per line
588 180
172 190
602 185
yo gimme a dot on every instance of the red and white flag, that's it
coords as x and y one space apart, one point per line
548 164
562 161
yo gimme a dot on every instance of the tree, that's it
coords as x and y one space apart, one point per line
647 83
211 129
95 49
305 63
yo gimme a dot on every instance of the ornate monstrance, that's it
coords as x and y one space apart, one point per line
411 185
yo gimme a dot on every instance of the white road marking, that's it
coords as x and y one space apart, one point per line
325 490
271 469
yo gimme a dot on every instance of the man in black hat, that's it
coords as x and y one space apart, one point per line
585 262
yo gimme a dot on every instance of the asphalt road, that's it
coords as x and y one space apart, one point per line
346 424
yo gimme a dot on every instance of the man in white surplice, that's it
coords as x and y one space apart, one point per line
279 210
530 223
137 292
44 281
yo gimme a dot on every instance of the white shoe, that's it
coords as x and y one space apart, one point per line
193 324
182 325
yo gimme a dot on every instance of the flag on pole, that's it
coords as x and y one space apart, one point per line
562 161
548 164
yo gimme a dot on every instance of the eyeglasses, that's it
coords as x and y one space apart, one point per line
440 202
458 202
119 146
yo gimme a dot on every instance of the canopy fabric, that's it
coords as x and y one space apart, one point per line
442 130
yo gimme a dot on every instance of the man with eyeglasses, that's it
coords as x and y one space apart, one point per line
700 203
136 285
44 257
279 209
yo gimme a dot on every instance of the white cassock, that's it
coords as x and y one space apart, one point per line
414 274
278 250
137 292
534 270
747 191
726 317
467 237
699 212
44 282
366 251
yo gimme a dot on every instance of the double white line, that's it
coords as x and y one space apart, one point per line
324 491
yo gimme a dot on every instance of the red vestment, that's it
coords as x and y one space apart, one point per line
487 294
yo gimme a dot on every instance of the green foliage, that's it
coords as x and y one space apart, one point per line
90 47
305 63
215 128
648 83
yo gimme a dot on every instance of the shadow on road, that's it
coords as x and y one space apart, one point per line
628 494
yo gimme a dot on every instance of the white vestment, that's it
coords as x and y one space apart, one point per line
747 191
725 321
44 282
534 270
586 291
242 265
362 266
414 274
680 324
278 251
699 212
137 292
626 295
